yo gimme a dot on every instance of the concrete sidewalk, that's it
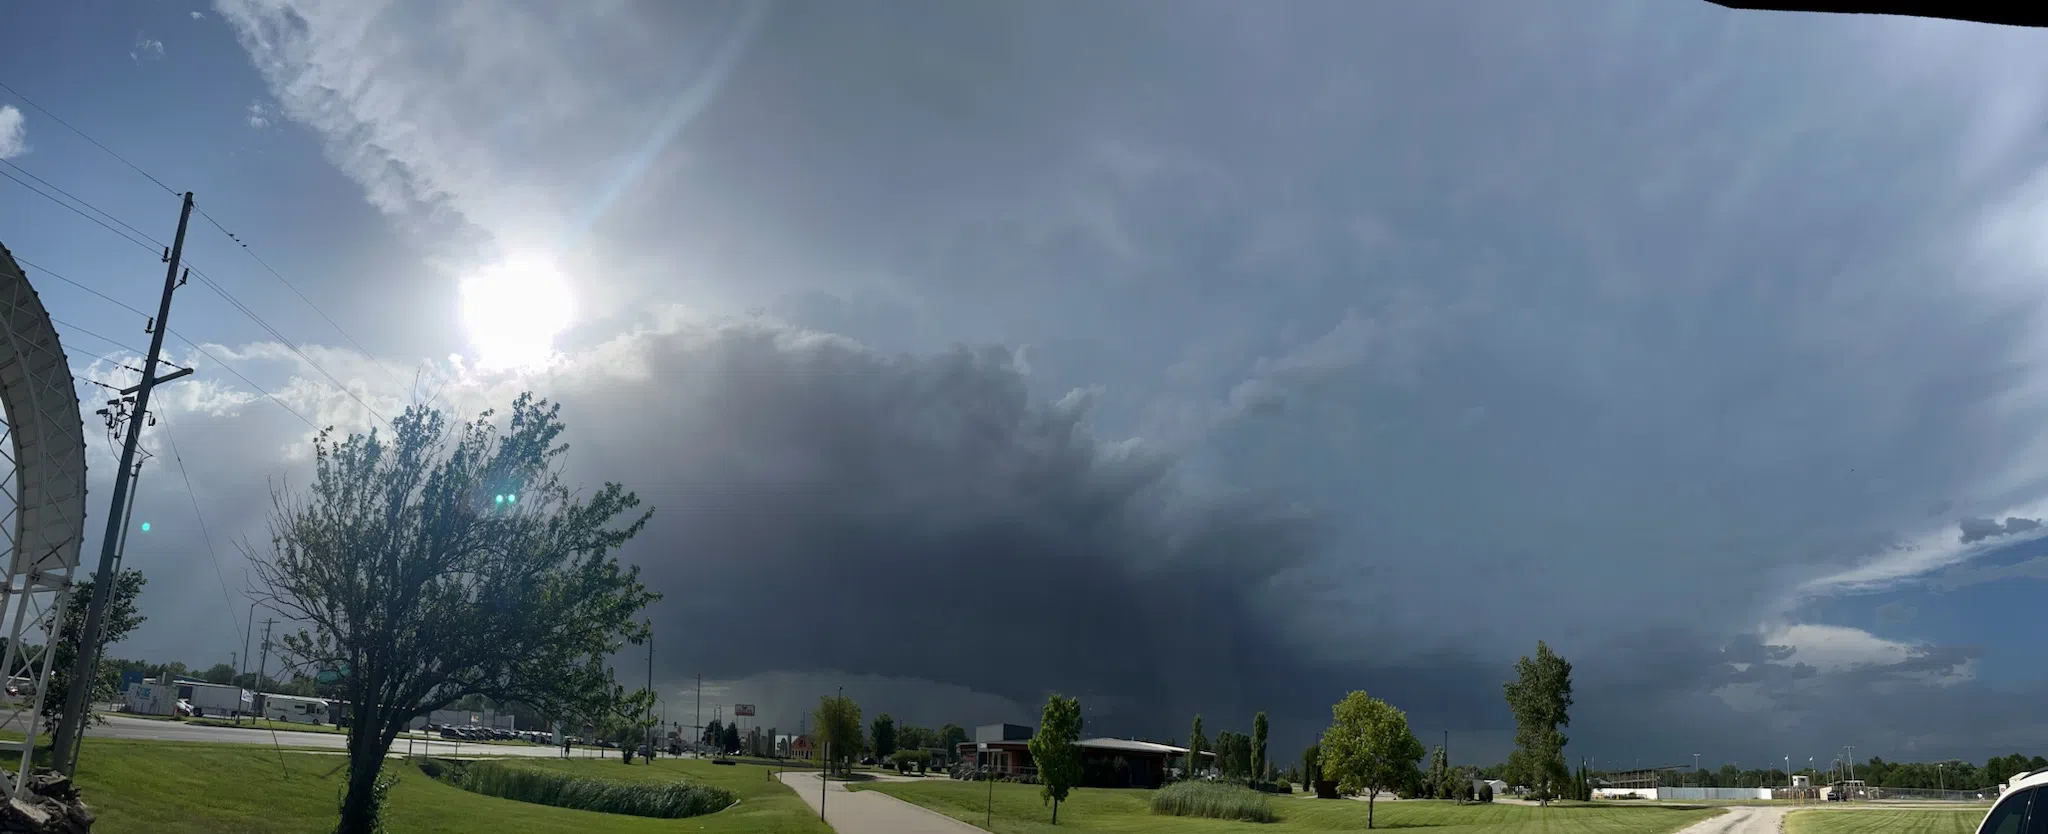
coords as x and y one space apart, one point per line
869 812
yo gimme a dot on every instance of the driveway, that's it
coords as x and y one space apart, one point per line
1745 819
870 812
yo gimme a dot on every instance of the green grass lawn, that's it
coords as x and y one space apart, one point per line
1887 821
175 788
1019 809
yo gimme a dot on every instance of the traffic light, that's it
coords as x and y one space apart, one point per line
504 498
145 527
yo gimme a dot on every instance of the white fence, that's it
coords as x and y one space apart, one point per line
1696 794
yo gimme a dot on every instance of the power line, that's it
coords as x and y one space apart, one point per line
159 245
96 221
208 536
294 348
181 337
245 380
80 200
294 288
96 143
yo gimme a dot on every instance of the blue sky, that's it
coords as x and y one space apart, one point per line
1355 346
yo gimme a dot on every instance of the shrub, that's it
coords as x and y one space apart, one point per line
1214 800
1272 787
1485 792
669 800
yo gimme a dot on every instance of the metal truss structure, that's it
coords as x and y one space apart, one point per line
42 481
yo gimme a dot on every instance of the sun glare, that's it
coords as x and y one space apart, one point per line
513 310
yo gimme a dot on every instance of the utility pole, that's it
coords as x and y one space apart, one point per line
700 713
247 630
650 685
264 659
77 701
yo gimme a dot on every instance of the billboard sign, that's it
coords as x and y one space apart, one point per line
745 710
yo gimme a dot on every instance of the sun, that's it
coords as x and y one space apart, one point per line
514 309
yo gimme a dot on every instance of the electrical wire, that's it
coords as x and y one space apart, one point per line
159 245
245 380
203 532
181 337
80 212
217 288
96 143
81 201
294 348
293 287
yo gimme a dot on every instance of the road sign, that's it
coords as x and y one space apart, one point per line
746 710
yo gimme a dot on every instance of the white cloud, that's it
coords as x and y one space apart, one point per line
146 48
1837 648
470 118
198 16
13 133
258 115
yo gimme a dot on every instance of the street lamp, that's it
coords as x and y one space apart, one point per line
1697 774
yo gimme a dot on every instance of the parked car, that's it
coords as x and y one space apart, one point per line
2010 814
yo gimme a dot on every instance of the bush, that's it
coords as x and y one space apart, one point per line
1272 787
1485 792
1214 800
548 787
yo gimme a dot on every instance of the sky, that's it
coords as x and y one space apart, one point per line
1205 360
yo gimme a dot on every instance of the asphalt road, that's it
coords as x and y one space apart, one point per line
117 726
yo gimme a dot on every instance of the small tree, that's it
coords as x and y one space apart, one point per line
442 562
1258 751
951 736
883 733
838 720
1541 698
1196 744
1369 748
1054 751
218 673
122 617
1311 767
1435 782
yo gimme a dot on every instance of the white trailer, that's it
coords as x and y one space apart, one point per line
217 699
294 709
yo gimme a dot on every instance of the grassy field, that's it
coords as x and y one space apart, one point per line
1019 809
1886 821
176 788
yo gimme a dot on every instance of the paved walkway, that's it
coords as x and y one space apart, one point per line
1748 819
870 812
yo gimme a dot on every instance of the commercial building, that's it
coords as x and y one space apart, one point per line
1005 749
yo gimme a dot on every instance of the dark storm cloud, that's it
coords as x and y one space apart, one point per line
1979 529
855 491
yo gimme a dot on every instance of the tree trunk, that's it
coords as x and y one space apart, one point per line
1369 797
1055 812
368 740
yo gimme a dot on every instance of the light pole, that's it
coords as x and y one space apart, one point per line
1701 777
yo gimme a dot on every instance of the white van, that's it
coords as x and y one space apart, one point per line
294 709
2009 815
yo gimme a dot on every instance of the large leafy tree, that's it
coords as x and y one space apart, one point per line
122 618
1540 697
838 738
1053 750
951 736
883 734
438 562
1368 748
1258 751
